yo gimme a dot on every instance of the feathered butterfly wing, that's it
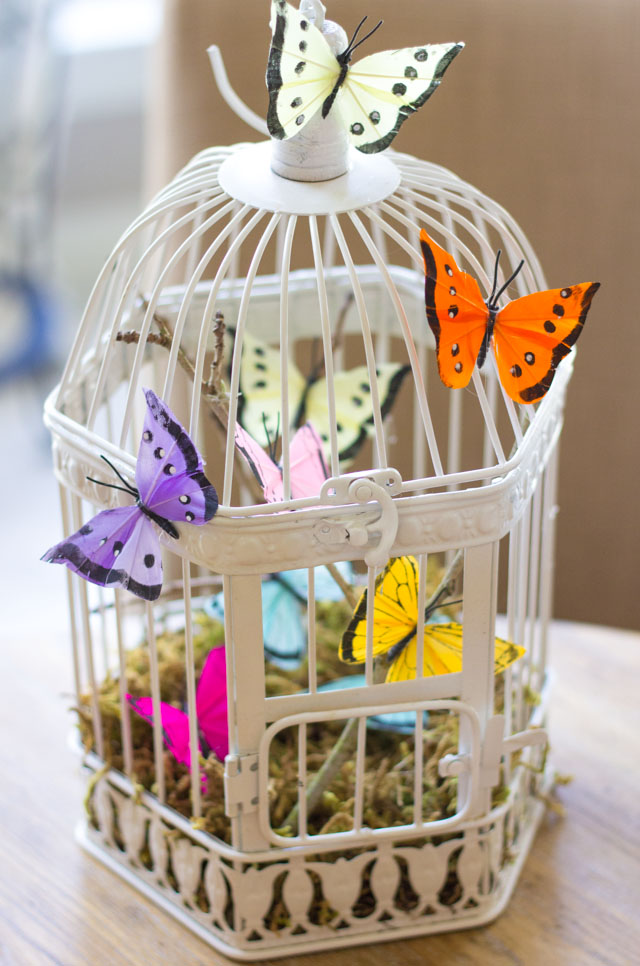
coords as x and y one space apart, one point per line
395 612
175 726
456 312
308 468
118 548
382 90
301 71
211 710
354 410
534 333
260 380
211 702
267 473
169 471
443 653
283 624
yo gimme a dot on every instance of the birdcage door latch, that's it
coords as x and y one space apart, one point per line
377 533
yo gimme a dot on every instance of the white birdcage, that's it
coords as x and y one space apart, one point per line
465 478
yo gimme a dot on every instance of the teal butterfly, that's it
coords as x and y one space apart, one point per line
284 602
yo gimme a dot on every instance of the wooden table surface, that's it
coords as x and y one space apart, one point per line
577 902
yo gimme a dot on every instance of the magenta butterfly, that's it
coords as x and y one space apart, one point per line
120 547
308 468
211 710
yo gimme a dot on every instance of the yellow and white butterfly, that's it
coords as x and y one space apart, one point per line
395 620
374 97
260 399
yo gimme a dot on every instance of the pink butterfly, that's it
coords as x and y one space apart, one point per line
308 468
211 709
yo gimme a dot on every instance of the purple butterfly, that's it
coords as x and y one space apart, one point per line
121 546
211 709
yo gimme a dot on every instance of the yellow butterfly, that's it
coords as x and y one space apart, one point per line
394 631
260 398
373 97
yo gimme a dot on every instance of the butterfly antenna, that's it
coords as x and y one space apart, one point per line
127 488
509 281
346 55
438 602
119 475
113 486
490 300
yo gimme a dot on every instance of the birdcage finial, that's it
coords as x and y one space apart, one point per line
321 151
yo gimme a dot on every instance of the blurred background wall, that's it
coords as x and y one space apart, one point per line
540 111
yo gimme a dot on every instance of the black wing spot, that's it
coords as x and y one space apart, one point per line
558 310
453 311
149 560
516 371
452 291
365 387
300 119
189 516
357 128
399 89
259 351
304 25
85 530
117 548
302 46
448 269
169 469
529 358
147 436
184 498
296 102
549 326
356 400
260 384
300 66
410 72
158 452
565 293
458 367
421 55
374 117
455 349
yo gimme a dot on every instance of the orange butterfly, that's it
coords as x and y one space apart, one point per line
529 335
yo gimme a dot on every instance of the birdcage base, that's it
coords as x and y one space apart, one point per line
304 903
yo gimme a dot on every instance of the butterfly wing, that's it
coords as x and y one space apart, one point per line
267 473
308 468
175 726
382 90
443 653
283 624
394 616
354 410
456 312
301 71
169 472
118 548
260 379
534 333
211 702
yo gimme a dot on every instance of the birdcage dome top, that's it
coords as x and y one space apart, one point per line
329 278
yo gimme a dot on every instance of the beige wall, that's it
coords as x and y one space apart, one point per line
540 111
